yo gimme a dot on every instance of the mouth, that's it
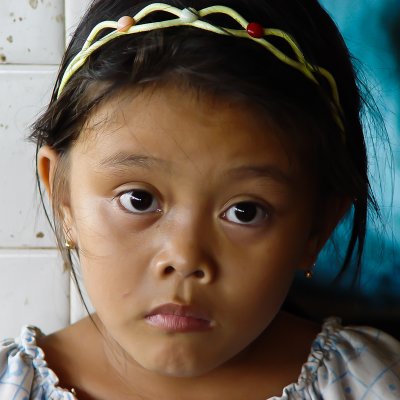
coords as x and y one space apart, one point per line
178 318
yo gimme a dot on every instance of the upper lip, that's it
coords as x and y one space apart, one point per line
179 310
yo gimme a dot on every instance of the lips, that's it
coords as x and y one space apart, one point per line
178 318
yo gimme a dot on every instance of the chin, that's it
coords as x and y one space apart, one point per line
180 370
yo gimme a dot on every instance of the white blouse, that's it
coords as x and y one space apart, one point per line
349 363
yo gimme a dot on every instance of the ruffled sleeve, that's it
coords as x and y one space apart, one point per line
349 363
24 374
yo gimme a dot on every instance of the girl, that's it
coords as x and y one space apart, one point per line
198 154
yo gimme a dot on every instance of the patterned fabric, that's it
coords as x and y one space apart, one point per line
346 363
24 374
349 363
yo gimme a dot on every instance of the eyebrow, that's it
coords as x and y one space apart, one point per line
262 171
124 160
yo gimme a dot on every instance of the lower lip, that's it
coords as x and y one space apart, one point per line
177 323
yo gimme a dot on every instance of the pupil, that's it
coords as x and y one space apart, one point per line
141 200
245 212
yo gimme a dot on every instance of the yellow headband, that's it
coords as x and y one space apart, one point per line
192 17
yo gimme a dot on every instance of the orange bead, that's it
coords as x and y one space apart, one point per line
125 23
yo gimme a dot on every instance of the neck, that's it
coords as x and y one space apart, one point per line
269 364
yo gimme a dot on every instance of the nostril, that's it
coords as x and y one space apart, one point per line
169 270
199 274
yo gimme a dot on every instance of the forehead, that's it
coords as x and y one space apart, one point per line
185 126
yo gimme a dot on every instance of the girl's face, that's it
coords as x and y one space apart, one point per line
190 217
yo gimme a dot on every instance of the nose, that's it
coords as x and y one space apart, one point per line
186 255
185 267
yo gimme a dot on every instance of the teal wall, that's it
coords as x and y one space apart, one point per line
371 29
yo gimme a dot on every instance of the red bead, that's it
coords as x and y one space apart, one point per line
255 30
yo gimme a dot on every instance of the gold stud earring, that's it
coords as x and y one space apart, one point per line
310 272
69 244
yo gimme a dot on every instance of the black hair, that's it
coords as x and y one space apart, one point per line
234 68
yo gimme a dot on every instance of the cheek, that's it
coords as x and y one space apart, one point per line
114 255
254 279
259 271
256 288
102 228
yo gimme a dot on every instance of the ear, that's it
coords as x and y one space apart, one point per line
329 217
47 162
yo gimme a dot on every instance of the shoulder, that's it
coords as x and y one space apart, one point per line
23 369
352 362
16 367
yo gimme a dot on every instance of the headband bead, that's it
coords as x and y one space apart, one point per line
189 15
255 30
125 23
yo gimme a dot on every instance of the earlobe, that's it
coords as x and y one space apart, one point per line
47 162
334 210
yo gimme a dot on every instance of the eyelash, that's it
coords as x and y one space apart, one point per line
238 209
124 199
260 211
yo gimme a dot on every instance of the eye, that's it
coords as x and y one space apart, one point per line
139 202
246 213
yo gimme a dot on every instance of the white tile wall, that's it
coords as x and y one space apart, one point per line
33 287
31 31
74 10
33 290
28 90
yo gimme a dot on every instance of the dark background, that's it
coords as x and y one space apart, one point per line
371 29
